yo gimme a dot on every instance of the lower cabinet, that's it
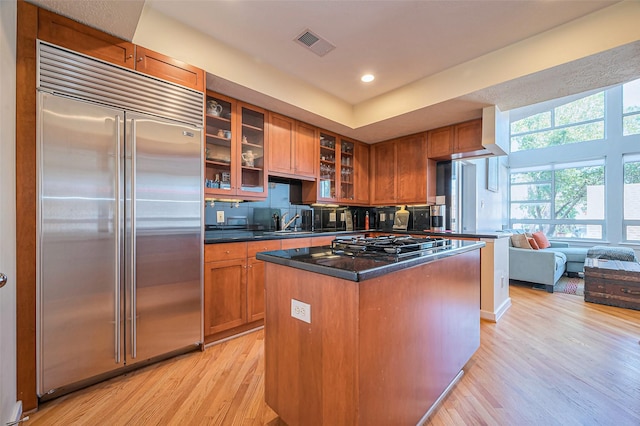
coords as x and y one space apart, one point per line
225 295
234 283
233 287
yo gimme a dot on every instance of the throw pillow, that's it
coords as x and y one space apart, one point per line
532 243
541 239
520 241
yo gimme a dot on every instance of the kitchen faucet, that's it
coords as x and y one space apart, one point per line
286 225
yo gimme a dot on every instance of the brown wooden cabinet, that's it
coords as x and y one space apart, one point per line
361 174
292 151
467 138
170 69
462 140
255 278
401 172
81 38
73 35
235 149
225 295
233 287
440 142
383 173
343 172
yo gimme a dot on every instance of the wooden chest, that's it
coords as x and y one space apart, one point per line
612 282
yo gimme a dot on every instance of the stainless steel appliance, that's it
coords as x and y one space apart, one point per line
438 217
119 222
389 246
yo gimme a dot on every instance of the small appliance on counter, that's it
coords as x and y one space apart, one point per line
438 217
401 221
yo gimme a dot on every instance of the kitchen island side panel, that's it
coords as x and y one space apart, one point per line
378 351
419 327
310 368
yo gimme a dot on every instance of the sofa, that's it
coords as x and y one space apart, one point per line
545 266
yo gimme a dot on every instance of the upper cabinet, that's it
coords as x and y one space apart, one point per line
462 140
235 149
78 37
73 35
293 149
401 173
169 69
343 172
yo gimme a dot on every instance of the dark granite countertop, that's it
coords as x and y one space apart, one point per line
322 260
216 237
232 236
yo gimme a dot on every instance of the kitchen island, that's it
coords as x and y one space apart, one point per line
353 339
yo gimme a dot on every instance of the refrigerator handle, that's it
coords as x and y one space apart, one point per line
133 239
118 240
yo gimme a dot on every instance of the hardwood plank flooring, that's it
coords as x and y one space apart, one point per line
552 359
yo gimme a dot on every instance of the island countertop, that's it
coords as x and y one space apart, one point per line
359 267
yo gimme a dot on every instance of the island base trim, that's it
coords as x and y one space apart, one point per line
442 396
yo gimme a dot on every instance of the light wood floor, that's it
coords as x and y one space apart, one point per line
551 360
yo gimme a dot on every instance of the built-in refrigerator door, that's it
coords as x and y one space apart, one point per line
78 245
164 266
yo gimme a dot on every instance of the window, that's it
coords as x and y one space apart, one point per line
631 108
562 200
631 220
577 121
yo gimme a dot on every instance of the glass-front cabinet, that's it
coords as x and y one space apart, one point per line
235 149
329 159
347 162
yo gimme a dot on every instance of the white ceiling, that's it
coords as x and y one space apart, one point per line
399 41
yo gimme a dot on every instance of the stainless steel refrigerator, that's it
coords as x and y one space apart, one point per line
120 240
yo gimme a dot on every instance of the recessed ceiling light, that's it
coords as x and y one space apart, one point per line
367 78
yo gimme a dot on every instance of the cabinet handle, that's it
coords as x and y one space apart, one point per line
627 291
130 56
227 252
140 59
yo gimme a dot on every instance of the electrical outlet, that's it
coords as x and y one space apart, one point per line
301 310
220 216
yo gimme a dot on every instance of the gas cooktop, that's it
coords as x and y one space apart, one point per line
389 245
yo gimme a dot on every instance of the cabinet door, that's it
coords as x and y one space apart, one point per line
305 153
75 36
361 173
468 136
281 137
383 173
255 277
225 295
347 162
167 68
440 143
255 289
251 140
329 159
220 155
411 169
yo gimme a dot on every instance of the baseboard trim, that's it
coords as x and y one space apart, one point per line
495 316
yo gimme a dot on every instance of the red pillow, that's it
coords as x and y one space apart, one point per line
533 243
541 239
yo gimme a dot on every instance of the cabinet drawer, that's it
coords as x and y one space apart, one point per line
322 241
226 251
291 243
258 246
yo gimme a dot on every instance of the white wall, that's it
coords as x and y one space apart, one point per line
8 393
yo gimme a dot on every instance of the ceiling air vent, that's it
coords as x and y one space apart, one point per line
315 43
